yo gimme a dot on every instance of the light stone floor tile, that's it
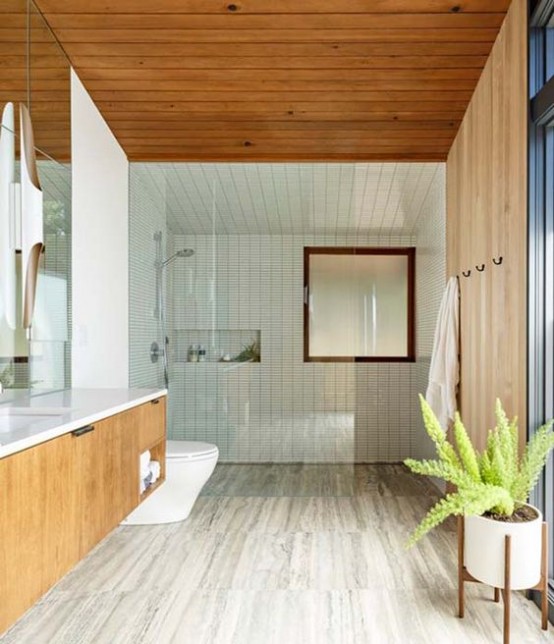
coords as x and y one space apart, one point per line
326 569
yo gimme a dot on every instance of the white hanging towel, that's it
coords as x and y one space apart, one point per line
444 370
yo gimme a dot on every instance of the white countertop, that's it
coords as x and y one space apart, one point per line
26 420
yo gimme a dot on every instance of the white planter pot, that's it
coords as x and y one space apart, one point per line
484 541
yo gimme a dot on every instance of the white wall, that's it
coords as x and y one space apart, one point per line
100 183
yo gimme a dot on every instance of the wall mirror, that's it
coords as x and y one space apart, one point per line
359 304
34 72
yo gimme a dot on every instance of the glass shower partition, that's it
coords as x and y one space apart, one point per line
238 376
234 310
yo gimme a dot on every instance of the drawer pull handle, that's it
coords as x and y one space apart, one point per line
83 430
155 401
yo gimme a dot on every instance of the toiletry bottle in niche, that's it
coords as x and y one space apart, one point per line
193 353
201 353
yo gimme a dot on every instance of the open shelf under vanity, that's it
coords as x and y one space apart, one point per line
157 453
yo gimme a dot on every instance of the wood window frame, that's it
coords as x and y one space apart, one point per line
409 252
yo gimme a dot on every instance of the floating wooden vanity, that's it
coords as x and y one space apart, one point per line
58 499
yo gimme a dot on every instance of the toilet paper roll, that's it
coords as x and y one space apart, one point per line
144 464
155 469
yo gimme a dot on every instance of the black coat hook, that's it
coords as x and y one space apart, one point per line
480 268
466 273
497 262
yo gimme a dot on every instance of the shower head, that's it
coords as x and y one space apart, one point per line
184 252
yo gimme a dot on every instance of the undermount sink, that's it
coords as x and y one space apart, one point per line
15 418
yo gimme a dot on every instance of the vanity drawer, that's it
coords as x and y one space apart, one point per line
151 423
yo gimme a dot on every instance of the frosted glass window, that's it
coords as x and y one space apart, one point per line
359 304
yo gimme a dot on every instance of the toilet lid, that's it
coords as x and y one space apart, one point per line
189 449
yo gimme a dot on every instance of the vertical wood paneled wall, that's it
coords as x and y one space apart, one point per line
486 218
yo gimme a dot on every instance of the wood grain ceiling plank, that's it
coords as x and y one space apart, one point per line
19 62
265 6
281 50
278 128
13 74
18 49
165 100
38 49
13 6
278 86
382 62
52 136
272 149
278 21
235 36
52 133
391 115
339 144
61 113
135 155
19 20
38 84
126 77
287 109
261 137
49 108
36 97
20 35
292 154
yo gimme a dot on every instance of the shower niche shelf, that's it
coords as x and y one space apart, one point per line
223 346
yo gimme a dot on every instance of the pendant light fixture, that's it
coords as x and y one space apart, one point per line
32 240
21 217
8 243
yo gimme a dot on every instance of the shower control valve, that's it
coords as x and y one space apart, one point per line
155 351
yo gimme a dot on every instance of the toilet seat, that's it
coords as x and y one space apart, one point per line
190 450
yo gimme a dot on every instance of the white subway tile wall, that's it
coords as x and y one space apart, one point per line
248 225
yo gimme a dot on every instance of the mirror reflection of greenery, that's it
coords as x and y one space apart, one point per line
7 376
56 220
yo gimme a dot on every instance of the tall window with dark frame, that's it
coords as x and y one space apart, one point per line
541 245
359 304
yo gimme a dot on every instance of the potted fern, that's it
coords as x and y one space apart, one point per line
493 488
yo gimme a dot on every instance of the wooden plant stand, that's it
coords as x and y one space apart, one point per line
542 586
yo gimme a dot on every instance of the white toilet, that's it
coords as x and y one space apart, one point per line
189 465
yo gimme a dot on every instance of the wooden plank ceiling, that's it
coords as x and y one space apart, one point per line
36 72
256 80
